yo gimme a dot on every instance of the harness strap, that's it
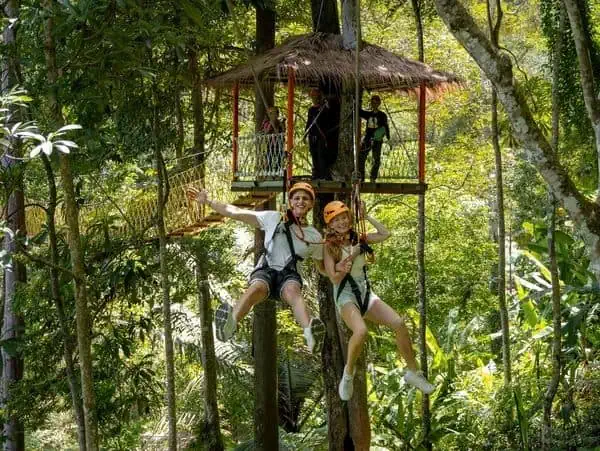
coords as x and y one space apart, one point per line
362 303
295 257
288 234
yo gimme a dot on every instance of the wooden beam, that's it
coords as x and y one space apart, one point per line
329 186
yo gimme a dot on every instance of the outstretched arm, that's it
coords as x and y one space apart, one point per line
230 211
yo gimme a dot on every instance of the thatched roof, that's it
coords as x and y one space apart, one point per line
319 58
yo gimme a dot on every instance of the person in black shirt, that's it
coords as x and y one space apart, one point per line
317 126
377 129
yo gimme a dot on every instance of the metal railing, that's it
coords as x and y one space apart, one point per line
262 157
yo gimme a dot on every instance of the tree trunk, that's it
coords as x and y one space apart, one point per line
264 344
162 198
498 69
556 307
210 434
60 309
12 324
266 412
50 54
83 325
325 16
494 29
332 352
211 431
421 275
180 125
81 305
583 47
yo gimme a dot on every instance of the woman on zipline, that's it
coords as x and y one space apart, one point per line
287 241
346 267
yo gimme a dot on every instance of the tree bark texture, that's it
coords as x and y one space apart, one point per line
350 33
12 324
55 109
63 320
264 337
211 430
332 357
494 14
421 276
586 71
538 151
81 305
162 198
325 16
264 343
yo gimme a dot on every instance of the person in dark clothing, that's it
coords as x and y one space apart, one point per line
317 126
377 129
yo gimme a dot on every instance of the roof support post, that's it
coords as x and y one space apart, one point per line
421 125
290 120
236 128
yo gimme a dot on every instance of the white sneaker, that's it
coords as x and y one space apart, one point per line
313 334
346 387
226 325
417 380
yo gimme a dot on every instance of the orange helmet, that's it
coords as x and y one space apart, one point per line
333 209
302 186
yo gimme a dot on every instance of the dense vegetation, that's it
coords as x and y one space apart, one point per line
130 74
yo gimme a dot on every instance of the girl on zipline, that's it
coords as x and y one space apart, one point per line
287 241
346 267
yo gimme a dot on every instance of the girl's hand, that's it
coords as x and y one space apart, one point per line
344 265
199 195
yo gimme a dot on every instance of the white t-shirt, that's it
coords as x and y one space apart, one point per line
278 252
359 262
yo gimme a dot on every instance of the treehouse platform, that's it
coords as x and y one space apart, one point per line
267 162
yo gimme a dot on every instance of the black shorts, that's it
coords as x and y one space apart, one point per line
275 280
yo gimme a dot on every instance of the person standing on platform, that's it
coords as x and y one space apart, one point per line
377 129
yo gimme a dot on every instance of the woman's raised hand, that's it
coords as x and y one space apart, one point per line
199 195
344 265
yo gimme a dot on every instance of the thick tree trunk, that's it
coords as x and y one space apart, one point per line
12 324
498 68
68 350
325 16
586 71
266 412
211 430
494 15
332 352
264 343
60 310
